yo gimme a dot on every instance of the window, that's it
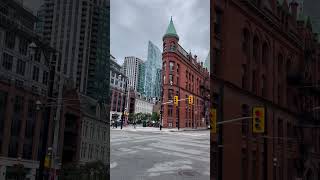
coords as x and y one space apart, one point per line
10 39
254 82
177 68
264 86
23 46
279 94
171 79
254 165
245 123
244 165
45 77
217 23
164 66
3 106
170 110
244 76
7 61
256 49
280 129
35 74
245 41
21 67
170 94
265 54
280 62
171 66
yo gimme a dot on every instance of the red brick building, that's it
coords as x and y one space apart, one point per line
268 56
182 75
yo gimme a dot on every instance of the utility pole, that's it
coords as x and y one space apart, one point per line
123 105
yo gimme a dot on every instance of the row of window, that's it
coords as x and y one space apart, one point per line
89 130
92 151
16 127
7 63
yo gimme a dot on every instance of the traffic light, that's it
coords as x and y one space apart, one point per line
190 98
213 121
176 100
258 120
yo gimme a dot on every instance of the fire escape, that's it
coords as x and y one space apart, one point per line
205 93
302 79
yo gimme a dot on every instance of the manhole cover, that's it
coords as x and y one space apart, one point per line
188 173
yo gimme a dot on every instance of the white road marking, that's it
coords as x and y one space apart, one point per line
169 167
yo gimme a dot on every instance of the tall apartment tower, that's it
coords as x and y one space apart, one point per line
79 30
153 65
134 69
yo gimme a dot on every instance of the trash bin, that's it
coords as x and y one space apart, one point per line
144 124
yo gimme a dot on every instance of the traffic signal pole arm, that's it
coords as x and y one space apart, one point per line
233 120
172 101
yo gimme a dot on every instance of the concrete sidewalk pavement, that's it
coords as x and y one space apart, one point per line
157 129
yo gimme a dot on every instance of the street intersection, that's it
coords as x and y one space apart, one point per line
148 153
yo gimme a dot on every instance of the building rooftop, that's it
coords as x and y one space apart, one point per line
171 30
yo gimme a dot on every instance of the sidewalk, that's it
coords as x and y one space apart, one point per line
157 129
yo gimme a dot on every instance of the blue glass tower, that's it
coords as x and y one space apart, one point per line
153 66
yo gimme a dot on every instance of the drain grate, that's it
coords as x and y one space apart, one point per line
188 173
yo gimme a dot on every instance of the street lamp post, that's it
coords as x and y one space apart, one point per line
123 105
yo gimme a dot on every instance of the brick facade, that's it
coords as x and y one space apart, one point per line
263 58
182 75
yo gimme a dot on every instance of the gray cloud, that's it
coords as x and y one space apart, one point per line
134 22
33 5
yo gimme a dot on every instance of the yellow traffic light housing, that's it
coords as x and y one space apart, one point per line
190 99
213 122
258 120
176 100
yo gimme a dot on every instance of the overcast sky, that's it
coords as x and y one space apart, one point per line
34 5
134 22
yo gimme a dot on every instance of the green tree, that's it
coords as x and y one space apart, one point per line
155 117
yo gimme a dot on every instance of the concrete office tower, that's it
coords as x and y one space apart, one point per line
133 69
79 30
153 65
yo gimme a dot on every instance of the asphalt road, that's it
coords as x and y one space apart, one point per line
138 155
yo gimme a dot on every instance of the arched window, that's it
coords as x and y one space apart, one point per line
256 49
254 82
244 76
245 41
288 65
265 53
264 86
172 46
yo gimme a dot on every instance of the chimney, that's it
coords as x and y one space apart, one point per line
294 9
195 57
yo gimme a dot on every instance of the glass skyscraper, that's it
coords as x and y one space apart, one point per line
153 68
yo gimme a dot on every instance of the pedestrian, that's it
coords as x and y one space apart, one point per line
116 124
